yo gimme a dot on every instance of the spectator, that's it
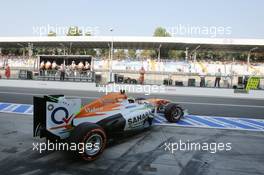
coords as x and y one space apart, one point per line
202 76
42 68
7 71
142 74
87 66
218 78
62 72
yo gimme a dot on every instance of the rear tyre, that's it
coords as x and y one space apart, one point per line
91 139
173 112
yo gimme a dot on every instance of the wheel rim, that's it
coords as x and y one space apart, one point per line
161 108
93 140
176 114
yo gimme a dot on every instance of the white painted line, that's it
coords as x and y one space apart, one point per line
10 112
10 108
220 104
39 94
162 119
250 124
203 127
157 119
5 107
194 122
29 109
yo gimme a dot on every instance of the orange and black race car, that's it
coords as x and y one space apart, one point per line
94 124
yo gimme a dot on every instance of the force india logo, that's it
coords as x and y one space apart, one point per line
138 121
65 119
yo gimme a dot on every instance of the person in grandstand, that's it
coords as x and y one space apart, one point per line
47 65
54 65
142 74
7 71
73 68
202 77
42 68
218 76
62 72
87 66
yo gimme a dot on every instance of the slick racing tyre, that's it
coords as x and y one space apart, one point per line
91 139
173 112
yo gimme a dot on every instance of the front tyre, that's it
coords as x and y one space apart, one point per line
91 140
173 112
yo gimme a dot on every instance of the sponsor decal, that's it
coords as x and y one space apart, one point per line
138 121
64 119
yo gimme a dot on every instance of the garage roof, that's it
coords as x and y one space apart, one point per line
179 43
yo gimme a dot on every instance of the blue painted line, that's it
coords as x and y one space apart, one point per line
235 123
156 121
184 123
187 121
29 112
161 115
22 108
4 105
193 122
10 108
160 118
253 122
204 121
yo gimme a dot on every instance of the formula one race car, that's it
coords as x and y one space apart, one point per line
108 117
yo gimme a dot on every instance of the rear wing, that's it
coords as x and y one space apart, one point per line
53 115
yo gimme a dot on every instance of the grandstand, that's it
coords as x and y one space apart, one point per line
154 67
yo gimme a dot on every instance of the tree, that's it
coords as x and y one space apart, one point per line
161 32
148 54
74 31
131 53
91 52
51 33
103 53
176 54
120 54
88 34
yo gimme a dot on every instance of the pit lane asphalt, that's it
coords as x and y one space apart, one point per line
143 153
197 105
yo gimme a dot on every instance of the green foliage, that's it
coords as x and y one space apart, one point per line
176 54
104 52
148 54
51 33
120 54
74 31
88 34
131 53
161 32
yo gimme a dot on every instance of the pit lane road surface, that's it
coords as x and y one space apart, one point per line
196 105
143 153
